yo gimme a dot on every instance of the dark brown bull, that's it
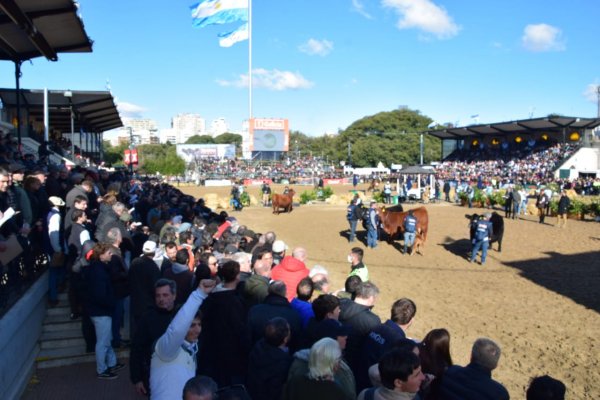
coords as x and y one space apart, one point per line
284 201
393 223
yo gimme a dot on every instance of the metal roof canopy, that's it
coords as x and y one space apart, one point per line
34 28
94 111
548 124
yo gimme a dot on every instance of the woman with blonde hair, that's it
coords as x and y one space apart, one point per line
318 384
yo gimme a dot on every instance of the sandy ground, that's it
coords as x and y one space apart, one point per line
539 298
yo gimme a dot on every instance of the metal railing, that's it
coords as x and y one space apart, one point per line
18 275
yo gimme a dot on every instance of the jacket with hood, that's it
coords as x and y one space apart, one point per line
267 371
361 320
291 271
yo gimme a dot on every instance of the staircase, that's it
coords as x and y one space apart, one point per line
61 342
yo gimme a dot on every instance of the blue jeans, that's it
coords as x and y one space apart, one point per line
483 245
105 355
409 240
372 237
352 230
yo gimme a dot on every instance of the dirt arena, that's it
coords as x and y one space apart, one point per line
539 298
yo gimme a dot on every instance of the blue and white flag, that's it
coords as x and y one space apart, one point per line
217 12
230 38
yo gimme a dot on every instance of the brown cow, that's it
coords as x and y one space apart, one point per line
284 201
393 223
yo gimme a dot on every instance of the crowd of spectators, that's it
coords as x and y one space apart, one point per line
521 167
291 169
214 307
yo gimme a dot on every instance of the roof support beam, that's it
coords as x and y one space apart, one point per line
16 14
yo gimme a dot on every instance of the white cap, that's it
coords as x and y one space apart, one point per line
149 247
56 201
279 246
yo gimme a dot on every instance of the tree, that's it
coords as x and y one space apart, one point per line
200 139
229 138
160 158
113 155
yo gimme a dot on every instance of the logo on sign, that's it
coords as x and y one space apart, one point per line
275 124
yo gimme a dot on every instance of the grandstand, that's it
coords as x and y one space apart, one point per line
531 150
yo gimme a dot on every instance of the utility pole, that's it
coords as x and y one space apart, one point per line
131 147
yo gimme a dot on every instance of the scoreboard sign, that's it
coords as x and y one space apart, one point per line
269 134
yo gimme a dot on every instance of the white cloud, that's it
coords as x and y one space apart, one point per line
424 15
542 37
359 7
315 47
130 110
591 92
271 79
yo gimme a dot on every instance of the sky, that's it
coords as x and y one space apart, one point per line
324 64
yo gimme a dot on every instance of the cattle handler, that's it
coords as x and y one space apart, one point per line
483 233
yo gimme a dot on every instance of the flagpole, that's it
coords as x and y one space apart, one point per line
249 62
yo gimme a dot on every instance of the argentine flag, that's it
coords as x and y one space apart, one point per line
217 12
230 38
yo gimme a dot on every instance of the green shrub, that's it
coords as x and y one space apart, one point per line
479 196
307 195
578 207
378 197
497 198
554 207
326 192
245 199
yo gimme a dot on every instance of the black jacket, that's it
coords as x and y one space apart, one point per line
268 368
472 382
224 339
99 297
150 327
143 274
275 306
361 320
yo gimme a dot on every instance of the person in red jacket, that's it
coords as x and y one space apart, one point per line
291 270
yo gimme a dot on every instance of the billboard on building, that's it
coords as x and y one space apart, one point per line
193 152
269 134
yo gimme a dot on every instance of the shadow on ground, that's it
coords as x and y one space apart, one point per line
576 276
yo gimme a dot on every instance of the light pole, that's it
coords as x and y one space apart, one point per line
598 90
68 94
131 147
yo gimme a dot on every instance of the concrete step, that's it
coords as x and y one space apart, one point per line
57 335
61 326
59 319
61 309
49 358
62 343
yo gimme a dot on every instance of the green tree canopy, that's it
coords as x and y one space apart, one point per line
200 139
229 138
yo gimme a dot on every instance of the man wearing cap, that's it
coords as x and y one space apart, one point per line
279 248
18 173
143 274
291 271
483 233
55 249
